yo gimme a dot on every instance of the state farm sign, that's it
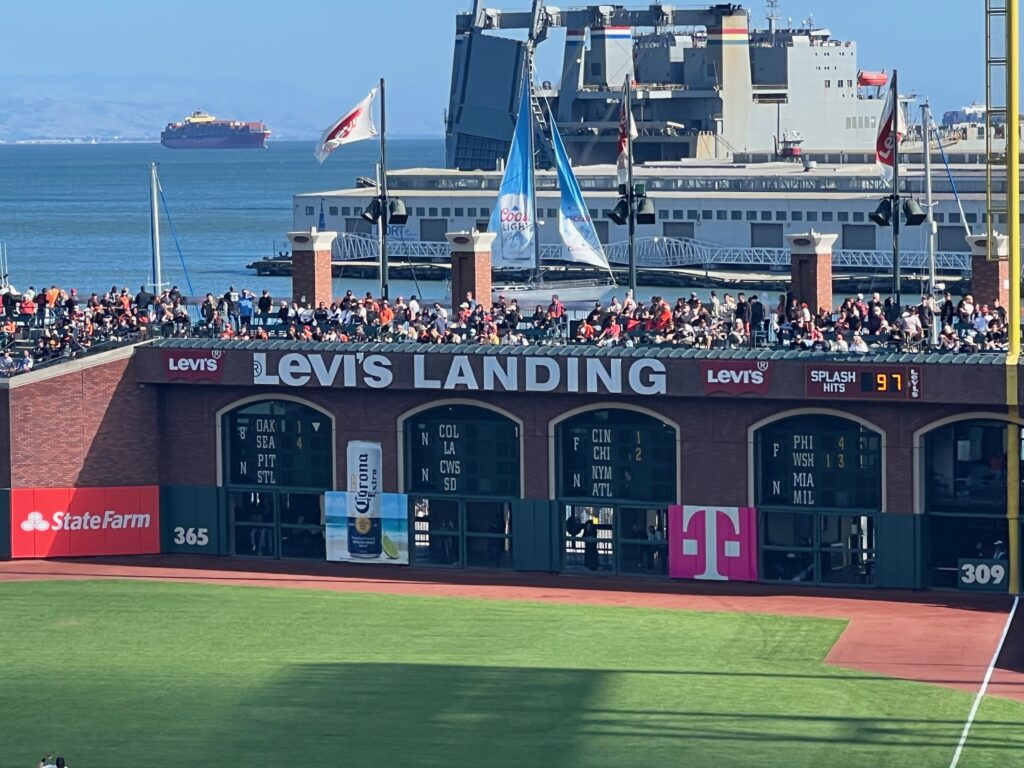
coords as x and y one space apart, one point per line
736 377
193 364
70 522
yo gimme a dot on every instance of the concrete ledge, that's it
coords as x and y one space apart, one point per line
54 370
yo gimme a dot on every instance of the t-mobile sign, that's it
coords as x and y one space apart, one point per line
79 522
712 543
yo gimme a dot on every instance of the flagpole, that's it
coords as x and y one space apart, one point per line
629 188
533 175
896 196
383 194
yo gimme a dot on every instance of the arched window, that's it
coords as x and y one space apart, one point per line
616 476
278 459
964 481
462 473
818 489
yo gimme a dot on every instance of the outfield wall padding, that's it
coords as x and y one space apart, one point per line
192 520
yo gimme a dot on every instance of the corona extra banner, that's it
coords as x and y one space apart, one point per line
712 543
79 522
346 544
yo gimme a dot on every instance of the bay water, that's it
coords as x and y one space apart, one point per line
77 215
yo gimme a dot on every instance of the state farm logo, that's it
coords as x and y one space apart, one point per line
736 377
36 522
193 364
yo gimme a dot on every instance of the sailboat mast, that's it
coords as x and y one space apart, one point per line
154 228
382 191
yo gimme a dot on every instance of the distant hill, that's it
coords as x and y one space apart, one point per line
137 107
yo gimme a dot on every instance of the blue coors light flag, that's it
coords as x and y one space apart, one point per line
512 219
579 237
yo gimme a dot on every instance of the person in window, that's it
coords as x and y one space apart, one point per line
590 559
449 549
999 550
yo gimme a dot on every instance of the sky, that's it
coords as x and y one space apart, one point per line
317 59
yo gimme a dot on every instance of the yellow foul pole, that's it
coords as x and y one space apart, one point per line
1013 220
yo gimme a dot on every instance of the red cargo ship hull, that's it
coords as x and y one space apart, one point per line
245 141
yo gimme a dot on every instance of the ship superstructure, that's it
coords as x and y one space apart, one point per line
705 83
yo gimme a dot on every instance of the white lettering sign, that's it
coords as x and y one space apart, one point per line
467 373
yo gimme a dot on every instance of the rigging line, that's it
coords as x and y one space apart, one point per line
177 245
949 173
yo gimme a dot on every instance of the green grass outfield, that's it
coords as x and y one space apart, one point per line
114 673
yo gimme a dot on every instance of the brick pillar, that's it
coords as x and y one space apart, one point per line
811 268
311 265
990 279
471 266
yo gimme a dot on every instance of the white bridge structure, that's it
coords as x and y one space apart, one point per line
665 253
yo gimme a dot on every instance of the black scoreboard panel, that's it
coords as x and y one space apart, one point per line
278 443
617 455
819 461
462 450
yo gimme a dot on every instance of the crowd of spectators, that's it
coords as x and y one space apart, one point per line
858 325
39 326
53 324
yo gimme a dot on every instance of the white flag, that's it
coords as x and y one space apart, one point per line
354 125
887 145
626 125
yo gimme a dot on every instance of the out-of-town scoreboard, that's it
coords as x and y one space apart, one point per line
617 455
461 450
819 461
278 444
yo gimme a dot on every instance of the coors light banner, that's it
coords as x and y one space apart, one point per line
512 218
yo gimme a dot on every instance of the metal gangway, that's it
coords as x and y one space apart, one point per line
664 253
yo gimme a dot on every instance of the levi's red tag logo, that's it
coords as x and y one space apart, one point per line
736 377
193 364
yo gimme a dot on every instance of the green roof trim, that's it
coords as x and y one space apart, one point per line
581 350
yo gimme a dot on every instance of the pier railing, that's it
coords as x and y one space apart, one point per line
664 253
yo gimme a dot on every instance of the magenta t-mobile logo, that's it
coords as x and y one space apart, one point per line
712 543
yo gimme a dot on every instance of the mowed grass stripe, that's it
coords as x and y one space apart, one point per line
118 673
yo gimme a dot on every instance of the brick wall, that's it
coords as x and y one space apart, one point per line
82 425
713 448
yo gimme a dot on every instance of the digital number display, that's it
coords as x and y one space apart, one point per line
864 382
462 451
882 382
620 455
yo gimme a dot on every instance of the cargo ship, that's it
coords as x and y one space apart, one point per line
202 131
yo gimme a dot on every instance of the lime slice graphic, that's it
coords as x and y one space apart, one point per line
390 548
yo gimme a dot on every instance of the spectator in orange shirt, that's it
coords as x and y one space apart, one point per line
387 314
27 308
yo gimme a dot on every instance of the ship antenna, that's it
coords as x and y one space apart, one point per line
772 12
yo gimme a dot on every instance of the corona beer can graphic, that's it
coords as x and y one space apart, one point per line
364 489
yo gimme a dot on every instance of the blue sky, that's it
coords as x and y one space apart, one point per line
319 58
